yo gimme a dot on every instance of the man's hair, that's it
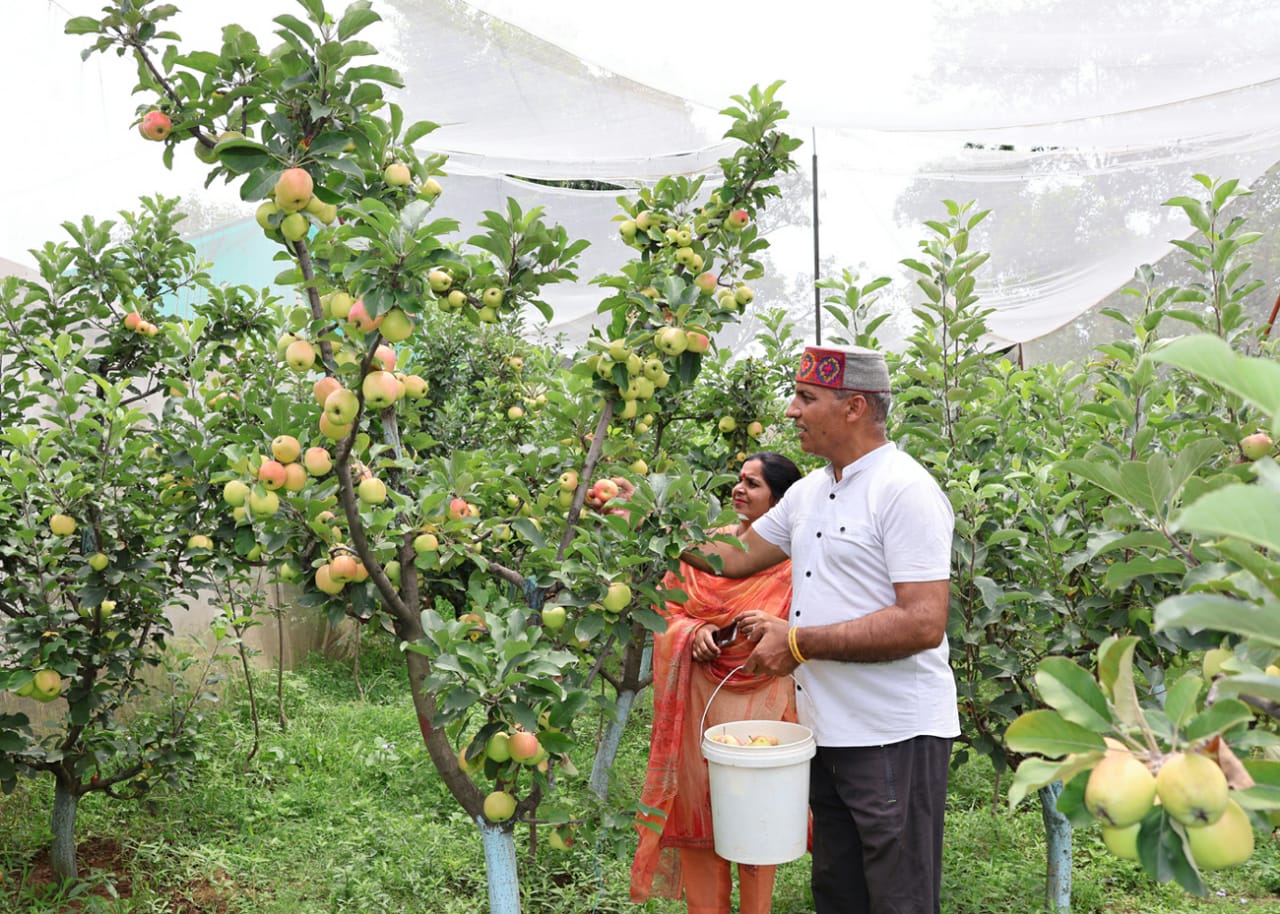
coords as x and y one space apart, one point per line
878 403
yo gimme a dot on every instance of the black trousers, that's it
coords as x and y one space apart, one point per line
877 827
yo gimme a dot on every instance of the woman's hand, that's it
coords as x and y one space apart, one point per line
610 496
704 648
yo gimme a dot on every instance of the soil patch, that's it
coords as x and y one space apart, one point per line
106 871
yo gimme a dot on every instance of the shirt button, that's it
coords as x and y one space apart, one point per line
842 529
808 574
832 496
819 534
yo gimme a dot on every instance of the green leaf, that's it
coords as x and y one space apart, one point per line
1247 512
1115 673
1048 733
1215 612
1163 854
82 25
1221 716
1259 685
1069 688
1180 700
356 18
1255 379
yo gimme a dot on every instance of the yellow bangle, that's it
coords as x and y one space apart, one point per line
791 643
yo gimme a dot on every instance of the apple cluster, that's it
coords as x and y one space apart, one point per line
453 297
44 685
136 323
1191 789
287 214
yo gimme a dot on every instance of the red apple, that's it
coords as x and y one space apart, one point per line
155 125
293 189
358 318
325 386
1256 446
317 461
271 474
381 389
524 746
458 509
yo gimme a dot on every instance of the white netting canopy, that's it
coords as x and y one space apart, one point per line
1071 121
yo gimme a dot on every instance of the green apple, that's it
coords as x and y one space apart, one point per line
300 355
62 525
425 542
671 340
553 618
98 561
1120 790
439 280
381 389
371 491
1192 788
499 806
617 597
294 226
396 326
397 174
285 448
341 406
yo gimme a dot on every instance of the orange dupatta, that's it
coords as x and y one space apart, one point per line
712 600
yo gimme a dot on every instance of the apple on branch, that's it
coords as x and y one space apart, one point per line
155 125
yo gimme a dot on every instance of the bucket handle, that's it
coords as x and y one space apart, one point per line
702 727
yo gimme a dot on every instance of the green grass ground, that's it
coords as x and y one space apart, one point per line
342 812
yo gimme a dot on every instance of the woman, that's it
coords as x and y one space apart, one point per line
678 858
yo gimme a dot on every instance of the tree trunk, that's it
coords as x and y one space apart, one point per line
607 751
1057 832
500 866
63 853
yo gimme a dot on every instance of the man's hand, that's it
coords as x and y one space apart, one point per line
769 634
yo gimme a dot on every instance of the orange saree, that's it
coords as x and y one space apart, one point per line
676 785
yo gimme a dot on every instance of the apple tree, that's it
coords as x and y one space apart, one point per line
1181 497
452 518
104 504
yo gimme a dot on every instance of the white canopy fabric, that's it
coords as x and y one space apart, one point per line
1073 121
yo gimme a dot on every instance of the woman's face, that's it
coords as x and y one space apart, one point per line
751 496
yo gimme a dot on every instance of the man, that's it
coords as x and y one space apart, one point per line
869 536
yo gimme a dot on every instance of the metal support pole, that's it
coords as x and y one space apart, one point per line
817 293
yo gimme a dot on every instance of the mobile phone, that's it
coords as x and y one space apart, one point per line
726 635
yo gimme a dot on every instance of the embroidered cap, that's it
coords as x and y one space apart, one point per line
854 368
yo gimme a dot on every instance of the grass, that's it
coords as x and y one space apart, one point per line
342 812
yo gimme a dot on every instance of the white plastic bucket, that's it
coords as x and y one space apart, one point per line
760 794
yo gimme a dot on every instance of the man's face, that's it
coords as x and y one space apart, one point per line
820 418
